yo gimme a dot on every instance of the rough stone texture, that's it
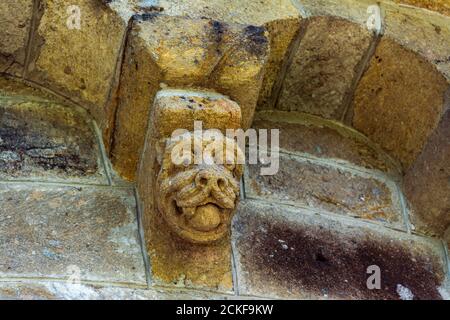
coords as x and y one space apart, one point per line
324 67
80 64
15 21
173 259
47 141
182 53
47 290
19 89
179 263
233 11
447 239
290 253
353 10
399 101
427 183
442 6
281 18
302 182
92 229
180 109
305 134
422 31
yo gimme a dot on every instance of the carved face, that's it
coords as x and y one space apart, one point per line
198 200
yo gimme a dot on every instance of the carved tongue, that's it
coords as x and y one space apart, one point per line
206 218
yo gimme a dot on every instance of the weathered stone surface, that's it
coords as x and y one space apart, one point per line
291 253
79 63
183 53
281 18
19 89
422 31
175 109
324 67
282 34
442 6
52 232
183 264
353 10
305 134
232 11
47 290
304 183
188 249
15 21
427 183
399 101
47 141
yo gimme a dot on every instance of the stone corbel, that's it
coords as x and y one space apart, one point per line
196 197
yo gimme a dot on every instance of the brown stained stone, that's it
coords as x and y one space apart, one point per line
94 229
15 22
324 66
399 101
427 183
422 31
78 63
301 133
183 53
291 253
47 141
307 184
442 6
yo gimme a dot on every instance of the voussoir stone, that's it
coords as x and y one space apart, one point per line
427 183
399 101
422 31
78 60
179 52
281 19
324 67
15 23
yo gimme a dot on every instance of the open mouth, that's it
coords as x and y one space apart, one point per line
205 222
203 218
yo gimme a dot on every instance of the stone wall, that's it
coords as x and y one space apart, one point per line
321 59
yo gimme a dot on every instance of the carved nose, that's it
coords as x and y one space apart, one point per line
210 179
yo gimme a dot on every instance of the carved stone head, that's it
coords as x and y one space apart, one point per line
198 198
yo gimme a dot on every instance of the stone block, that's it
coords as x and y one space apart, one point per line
324 67
78 60
422 31
290 253
324 187
184 53
92 232
399 101
427 183
305 134
15 24
48 141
